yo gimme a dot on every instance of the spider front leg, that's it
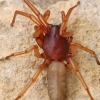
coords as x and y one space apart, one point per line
38 14
32 17
46 16
34 78
73 65
35 48
38 34
66 17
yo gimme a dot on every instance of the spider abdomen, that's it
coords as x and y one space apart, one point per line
57 81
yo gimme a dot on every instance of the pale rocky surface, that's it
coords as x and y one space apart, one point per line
16 72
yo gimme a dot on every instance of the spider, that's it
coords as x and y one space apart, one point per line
58 51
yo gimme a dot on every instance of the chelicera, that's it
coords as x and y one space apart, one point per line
58 48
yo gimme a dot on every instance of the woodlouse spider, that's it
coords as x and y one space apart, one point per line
58 53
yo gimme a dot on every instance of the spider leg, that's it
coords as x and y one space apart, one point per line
63 15
34 78
35 20
38 34
67 34
38 14
66 17
71 61
32 17
35 48
73 50
39 40
87 50
46 15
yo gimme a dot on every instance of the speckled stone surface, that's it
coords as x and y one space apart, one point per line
16 72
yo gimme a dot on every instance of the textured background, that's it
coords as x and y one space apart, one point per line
16 72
